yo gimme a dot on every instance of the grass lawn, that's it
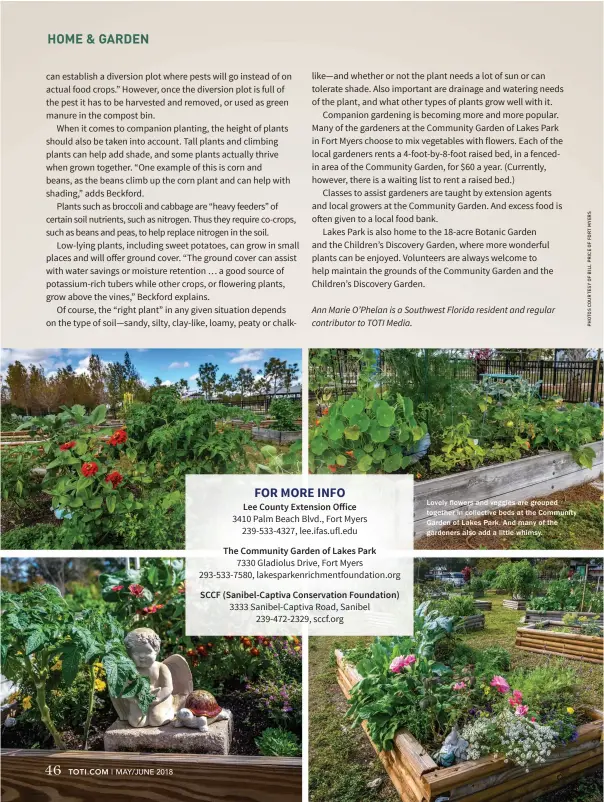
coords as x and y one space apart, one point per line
342 762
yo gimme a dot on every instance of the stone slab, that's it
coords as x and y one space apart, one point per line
121 737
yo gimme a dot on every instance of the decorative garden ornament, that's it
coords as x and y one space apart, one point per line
454 749
170 681
199 710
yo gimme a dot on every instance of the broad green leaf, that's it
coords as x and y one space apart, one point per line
111 502
98 414
384 413
341 460
354 406
364 464
379 434
352 433
393 463
35 640
319 445
362 421
335 430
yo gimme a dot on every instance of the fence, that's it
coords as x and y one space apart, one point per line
574 381
255 403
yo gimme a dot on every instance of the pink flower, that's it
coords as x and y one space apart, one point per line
399 663
117 588
521 710
533 718
500 684
515 699
459 686
136 590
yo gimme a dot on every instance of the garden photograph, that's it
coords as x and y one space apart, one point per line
96 446
95 658
504 445
497 694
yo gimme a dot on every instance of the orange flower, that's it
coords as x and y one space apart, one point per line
333 468
349 453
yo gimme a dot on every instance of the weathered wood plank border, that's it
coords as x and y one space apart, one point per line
572 645
473 493
126 777
417 778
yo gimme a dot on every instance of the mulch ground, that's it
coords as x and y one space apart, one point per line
455 535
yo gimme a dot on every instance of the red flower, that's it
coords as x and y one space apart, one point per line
115 477
118 437
201 649
333 468
117 588
67 446
136 590
89 468
255 651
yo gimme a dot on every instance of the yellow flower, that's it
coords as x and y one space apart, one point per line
99 685
98 665
570 710
57 666
487 691
57 693
26 703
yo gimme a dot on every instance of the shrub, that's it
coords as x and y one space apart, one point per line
365 434
546 688
41 634
285 412
278 742
38 536
457 606
519 578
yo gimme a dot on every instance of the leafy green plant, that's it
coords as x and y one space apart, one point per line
40 630
18 481
568 429
519 578
477 586
365 434
290 462
456 606
285 413
547 688
278 742
459 450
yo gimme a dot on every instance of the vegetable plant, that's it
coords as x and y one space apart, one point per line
519 578
41 632
277 742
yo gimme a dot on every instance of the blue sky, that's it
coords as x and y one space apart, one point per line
170 364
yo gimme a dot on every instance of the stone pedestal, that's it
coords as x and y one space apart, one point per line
121 737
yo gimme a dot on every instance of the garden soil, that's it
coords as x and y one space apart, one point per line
451 537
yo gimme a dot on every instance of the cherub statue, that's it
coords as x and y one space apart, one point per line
170 681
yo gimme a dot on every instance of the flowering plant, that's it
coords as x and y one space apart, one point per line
517 737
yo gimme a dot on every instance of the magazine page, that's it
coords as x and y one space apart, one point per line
302 390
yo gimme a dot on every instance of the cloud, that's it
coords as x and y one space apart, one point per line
178 365
47 358
247 355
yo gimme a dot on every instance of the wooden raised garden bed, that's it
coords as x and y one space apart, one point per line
514 604
130 777
471 622
483 604
514 481
558 615
417 778
541 637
